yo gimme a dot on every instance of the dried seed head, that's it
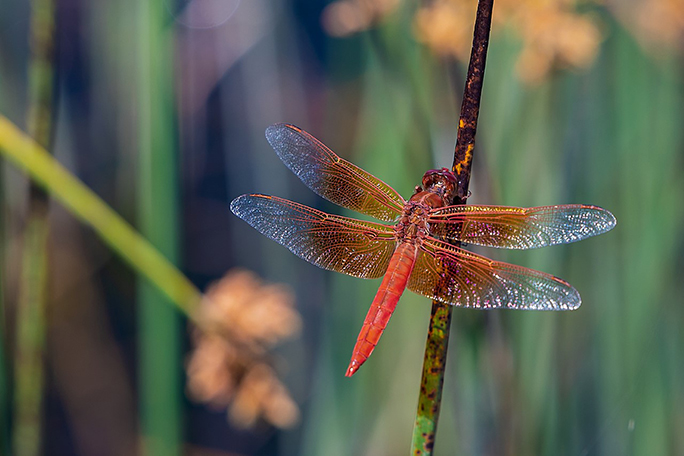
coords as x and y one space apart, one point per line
446 27
209 379
243 318
262 394
253 313
656 23
346 17
553 35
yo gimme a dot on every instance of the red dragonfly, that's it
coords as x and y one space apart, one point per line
416 252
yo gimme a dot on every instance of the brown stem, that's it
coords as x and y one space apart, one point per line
434 362
470 107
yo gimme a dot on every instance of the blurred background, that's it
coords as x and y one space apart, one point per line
160 108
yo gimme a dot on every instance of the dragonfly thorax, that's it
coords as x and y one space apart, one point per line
412 224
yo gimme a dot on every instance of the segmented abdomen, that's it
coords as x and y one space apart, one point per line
384 303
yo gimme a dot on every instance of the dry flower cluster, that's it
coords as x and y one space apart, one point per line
229 367
654 22
344 17
552 33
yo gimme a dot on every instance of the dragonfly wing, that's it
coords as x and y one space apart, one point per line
451 275
332 177
360 249
519 228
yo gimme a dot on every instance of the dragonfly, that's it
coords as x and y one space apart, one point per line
419 248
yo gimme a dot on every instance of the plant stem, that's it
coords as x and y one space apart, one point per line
30 157
434 361
470 107
159 325
32 303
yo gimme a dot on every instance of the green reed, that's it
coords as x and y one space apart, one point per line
29 371
159 325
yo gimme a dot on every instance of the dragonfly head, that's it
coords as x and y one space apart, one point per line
442 182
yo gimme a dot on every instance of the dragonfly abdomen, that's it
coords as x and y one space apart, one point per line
385 301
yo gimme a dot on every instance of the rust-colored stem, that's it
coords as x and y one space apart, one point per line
470 107
434 362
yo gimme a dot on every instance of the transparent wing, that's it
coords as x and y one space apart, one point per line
519 228
360 249
332 177
455 276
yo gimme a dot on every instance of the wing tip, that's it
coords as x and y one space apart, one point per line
239 203
236 204
273 130
575 303
606 221
605 217
572 299
611 221
595 221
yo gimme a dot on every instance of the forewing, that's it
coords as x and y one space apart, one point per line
519 228
360 249
455 276
332 177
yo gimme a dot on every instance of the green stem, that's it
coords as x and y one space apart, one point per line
431 383
159 327
434 361
32 303
28 368
33 159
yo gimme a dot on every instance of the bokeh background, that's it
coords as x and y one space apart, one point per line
582 103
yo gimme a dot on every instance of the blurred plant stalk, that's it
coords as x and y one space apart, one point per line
118 234
159 325
29 356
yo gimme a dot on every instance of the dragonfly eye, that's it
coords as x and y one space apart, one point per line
443 178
